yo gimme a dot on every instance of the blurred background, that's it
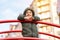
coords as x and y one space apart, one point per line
47 10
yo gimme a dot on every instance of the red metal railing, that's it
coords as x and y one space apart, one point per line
22 38
46 23
51 24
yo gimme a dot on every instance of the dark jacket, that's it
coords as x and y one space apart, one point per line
29 29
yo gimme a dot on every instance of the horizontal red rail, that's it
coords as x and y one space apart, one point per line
22 38
21 31
40 22
46 23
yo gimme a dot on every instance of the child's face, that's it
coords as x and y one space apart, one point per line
29 13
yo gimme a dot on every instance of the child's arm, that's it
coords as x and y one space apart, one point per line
20 17
35 18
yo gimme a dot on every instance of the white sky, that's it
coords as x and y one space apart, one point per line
10 9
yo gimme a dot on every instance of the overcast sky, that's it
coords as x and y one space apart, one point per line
10 9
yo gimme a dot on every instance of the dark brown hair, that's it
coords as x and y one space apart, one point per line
33 13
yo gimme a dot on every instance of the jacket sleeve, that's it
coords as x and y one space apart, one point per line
36 18
20 17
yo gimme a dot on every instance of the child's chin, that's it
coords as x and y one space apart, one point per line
28 20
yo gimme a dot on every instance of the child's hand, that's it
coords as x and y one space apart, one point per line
28 18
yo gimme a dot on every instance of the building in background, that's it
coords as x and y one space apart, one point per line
47 11
58 12
58 9
15 27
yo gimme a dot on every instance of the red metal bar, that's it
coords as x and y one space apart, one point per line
46 23
51 24
39 33
22 38
11 31
50 35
